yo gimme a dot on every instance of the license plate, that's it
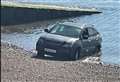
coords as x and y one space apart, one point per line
50 50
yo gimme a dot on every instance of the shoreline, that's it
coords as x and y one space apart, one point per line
23 67
83 60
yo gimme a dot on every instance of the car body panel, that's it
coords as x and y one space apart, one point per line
66 46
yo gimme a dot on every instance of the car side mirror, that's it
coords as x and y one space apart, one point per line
85 36
46 30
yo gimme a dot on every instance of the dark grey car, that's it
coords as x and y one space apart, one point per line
69 40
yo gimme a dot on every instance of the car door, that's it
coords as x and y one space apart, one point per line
93 37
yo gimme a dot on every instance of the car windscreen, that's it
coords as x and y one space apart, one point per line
66 30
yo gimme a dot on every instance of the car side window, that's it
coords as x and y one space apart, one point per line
92 31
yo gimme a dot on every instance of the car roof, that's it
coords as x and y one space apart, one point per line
81 26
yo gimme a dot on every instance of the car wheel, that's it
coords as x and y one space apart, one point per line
40 53
76 55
